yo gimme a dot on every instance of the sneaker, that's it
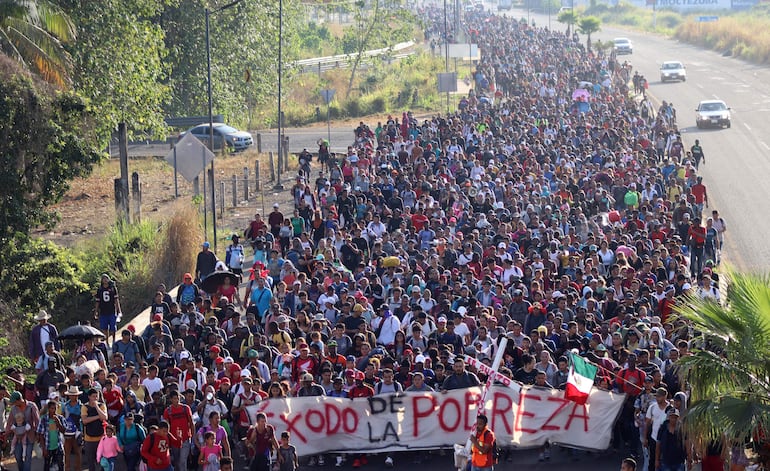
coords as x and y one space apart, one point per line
356 463
321 461
311 461
389 462
547 454
541 457
339 462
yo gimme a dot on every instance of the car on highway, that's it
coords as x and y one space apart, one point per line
623 46
712 113
234 139
672 70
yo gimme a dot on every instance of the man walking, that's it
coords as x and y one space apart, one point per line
179 417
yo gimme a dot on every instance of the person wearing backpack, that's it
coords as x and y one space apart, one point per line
156 448
93 416
130 437
483 444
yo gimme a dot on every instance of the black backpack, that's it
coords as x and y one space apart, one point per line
496 451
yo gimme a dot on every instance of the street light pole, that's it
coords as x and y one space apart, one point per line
278 185
446 50
211 117
211 132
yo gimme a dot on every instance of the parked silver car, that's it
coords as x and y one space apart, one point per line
234 139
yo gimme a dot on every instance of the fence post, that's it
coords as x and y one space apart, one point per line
256 175
136 197
259 143
235 191
286 153
272 167
221 201
245 183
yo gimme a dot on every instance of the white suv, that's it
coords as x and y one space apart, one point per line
672 70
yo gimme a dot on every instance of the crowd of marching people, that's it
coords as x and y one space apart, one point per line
553 207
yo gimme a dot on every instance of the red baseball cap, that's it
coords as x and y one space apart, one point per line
215 349
131 328
224 380
157 318
219 360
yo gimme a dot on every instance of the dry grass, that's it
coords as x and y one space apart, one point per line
746 36
175 252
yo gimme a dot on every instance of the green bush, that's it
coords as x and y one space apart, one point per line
15 361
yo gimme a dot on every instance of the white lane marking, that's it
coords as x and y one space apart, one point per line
747 126
716 97
764 144
699 86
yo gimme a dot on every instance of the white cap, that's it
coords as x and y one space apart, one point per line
501 245
275 205
441 319
184 355
419 358
556 294
245 374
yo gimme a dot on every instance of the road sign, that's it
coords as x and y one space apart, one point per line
328 94
707 19
190 157
447 82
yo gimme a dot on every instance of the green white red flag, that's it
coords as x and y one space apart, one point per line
580 379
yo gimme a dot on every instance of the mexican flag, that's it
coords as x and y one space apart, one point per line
580 379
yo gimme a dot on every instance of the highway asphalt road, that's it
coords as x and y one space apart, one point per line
560 460
737 170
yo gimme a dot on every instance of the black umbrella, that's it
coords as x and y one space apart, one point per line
80 332
216 279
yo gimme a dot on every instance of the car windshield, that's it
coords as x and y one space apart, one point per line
619 42
672 65
225 129
712 107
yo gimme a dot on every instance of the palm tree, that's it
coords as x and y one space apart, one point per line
729 370
589 25
32 32
569 17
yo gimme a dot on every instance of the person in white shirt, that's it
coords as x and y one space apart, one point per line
376 228
152 382
388 325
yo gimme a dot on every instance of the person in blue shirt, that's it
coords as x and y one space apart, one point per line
259 299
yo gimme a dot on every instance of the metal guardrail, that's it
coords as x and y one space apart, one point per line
321 64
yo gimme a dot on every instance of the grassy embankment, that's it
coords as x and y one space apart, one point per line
744 34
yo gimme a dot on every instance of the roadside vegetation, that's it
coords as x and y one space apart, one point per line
743 34
381 87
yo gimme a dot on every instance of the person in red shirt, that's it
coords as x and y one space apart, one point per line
419 219
179 417
696 236
156 448
361 389
701 197
260 441
114 400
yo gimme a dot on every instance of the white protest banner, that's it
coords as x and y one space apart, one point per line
417 421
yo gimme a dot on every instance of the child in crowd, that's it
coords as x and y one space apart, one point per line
287 454
108 449
211 453
20 429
